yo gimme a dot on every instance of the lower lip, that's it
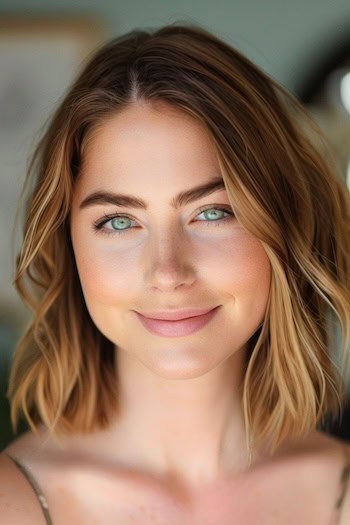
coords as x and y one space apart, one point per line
177 328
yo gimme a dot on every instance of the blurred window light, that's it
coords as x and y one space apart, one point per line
345 91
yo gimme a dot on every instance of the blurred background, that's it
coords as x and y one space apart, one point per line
303 45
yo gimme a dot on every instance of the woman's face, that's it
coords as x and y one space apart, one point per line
161 257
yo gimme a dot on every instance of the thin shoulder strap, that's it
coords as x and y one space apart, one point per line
344 482
36 488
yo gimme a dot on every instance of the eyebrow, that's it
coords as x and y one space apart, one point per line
183 198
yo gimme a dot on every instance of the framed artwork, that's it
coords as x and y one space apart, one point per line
39 57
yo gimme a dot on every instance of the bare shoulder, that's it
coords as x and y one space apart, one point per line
68 476
18 500
18 503
341 507
343 502
322 453
322 463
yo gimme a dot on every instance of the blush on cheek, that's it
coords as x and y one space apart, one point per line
106 282
248 263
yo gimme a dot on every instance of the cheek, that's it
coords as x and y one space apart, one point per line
105 273
239 264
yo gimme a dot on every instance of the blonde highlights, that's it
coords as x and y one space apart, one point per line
281 189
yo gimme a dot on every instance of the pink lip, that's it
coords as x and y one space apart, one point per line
179 327
175 316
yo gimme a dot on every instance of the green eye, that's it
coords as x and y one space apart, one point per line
213 216
214 213
121 220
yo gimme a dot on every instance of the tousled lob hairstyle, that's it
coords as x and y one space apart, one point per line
282 190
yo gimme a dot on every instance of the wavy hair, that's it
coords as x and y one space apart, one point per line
282 190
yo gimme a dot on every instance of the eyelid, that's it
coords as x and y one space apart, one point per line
98 225
201 209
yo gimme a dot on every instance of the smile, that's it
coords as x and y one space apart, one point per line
178 328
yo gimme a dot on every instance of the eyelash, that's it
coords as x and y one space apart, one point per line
98 225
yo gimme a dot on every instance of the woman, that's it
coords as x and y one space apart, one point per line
186 257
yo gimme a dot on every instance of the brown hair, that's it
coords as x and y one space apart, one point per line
282 191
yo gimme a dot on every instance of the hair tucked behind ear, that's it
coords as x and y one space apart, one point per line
63 372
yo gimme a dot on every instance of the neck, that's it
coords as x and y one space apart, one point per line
191 428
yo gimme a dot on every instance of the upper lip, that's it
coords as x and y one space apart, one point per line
176 315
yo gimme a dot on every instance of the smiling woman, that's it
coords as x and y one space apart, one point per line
186 257
173 255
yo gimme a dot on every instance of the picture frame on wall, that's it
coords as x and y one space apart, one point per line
39 58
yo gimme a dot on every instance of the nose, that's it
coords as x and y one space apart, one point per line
169 263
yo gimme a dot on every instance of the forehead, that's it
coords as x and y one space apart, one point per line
146 144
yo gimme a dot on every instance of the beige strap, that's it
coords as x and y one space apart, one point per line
344 482
36 488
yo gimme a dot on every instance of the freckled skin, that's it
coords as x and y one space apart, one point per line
177 451
171 259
